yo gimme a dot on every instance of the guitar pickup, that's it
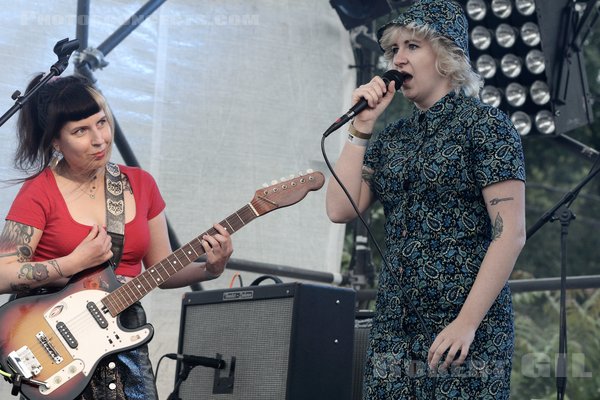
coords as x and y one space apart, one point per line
24 362
97 314
67 335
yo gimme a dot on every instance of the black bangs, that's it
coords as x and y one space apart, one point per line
72 102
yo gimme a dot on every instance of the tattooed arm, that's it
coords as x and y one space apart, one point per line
18 271
505 202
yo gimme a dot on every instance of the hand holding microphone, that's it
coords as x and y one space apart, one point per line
369 95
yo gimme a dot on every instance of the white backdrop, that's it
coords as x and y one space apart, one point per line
214 98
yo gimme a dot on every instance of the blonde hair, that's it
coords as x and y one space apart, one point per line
451 61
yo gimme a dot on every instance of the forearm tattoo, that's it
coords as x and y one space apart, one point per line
34 272
496 200
497 227
54 264
15 240
367 174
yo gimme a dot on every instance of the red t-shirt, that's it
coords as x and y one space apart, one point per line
40 204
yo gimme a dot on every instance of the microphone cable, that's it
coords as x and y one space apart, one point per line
386 265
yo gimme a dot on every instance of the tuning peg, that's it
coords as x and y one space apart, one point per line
292 176
265 185
274 182
309 171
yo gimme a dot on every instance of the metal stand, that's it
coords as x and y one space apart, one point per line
63 49
563 213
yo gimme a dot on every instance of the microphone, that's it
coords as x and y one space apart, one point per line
215 363
392 75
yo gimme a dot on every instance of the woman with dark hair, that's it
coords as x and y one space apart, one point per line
57 224
450 178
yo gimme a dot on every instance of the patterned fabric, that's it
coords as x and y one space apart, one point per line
446 17
127 375
428 173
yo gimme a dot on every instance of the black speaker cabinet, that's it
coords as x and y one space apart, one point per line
279 342
362 328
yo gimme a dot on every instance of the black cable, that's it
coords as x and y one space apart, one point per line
158 366
383 259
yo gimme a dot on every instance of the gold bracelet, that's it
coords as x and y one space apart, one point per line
354 132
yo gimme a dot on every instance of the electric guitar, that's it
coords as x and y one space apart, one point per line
54 342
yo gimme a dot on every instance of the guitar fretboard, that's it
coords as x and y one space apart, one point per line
138 287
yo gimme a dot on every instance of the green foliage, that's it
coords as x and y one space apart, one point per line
536 345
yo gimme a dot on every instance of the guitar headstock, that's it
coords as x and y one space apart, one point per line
286 192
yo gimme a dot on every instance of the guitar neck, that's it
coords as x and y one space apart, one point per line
138 287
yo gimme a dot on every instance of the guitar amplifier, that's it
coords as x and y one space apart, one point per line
283 341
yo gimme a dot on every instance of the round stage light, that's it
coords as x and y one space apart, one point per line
491 95
511 65
501 8
535 62
530 33
516 94
522 122
544 122
525 7
540 93
486 66
481 38
506 35
476 9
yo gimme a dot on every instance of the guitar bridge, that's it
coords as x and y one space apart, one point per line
50 349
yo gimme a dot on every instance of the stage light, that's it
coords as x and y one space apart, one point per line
481 38
530 33
535 62
516 94
501 8
544 122
511 65
525 7
519 48
540 93
486 66
476 9
506 35
522 122
491 95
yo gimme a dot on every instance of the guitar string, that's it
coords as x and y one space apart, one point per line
82 321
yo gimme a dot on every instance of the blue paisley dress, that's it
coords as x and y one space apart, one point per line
428 171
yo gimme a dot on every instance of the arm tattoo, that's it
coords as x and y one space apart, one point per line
367 174
497 228
496 200
15 240
34 272
54 264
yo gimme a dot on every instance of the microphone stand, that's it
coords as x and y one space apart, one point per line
63 49
561 212
183 375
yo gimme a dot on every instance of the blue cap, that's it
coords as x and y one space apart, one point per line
446 17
